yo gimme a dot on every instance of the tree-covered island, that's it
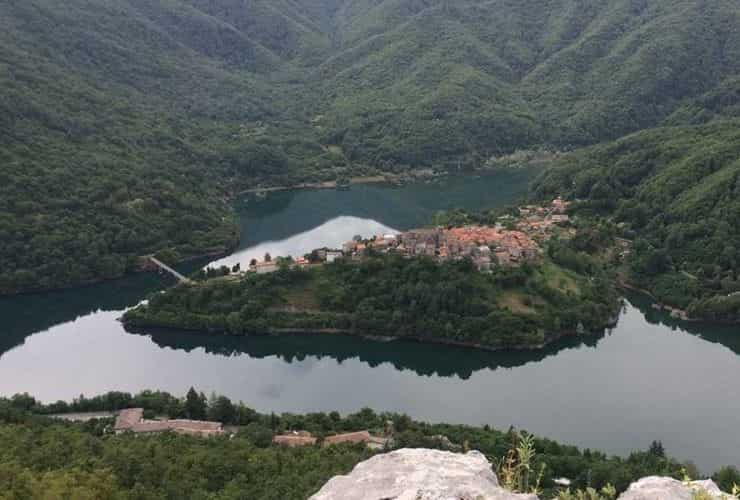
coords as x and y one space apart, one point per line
519 283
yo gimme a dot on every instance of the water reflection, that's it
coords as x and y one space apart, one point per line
25 315
296 222
727 335
29 314
422 359
329 234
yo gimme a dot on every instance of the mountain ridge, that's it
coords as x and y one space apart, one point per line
103 100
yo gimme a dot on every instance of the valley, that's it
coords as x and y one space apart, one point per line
467 215
637 371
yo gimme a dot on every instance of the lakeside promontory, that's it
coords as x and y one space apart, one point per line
516 284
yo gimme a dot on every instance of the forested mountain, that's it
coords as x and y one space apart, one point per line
677 192
126 125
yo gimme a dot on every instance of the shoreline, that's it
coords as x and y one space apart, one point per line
674 312
139 269
277 332
385 178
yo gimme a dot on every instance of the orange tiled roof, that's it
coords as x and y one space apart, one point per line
352 437
132 419
294 440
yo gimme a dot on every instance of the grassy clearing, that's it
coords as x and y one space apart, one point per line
517 302
561 278
302 298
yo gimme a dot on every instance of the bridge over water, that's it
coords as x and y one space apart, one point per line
166 268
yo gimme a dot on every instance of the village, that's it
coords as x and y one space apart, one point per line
513 240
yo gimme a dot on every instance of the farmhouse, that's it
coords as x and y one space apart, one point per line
132 420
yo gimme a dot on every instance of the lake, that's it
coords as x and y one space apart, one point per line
650 377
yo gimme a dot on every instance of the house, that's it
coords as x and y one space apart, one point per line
351 437
559 206
132 420
349 247
304 438
332 255
502 257
483 262
266 267
302 262
295 439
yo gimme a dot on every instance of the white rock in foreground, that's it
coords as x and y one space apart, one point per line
419 474
666 488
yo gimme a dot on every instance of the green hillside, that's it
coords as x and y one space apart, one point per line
677 193
126 126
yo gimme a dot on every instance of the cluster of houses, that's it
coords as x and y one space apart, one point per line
541 220
132 420
512 241
304 438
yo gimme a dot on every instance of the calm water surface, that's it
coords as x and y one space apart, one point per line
649 378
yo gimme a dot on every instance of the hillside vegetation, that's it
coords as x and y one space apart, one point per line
676 192
44 458
126 126
419 299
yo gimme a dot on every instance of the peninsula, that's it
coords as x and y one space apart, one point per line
516 284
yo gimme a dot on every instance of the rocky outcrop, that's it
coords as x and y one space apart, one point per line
418 474
664 488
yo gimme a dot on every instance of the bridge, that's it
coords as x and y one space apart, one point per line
166 268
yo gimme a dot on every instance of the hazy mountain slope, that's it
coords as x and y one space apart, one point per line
633 66
294 29
424 80
722 101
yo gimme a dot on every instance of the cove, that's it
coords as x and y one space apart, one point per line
650 377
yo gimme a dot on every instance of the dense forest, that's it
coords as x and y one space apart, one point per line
676 193
126 127
41 457
382 295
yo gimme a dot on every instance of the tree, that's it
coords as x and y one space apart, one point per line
195 405
258 434
656 448
268 257
727 477
222 410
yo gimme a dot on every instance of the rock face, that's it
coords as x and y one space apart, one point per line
418 474
665 488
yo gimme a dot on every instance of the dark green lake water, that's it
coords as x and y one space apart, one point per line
649 378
